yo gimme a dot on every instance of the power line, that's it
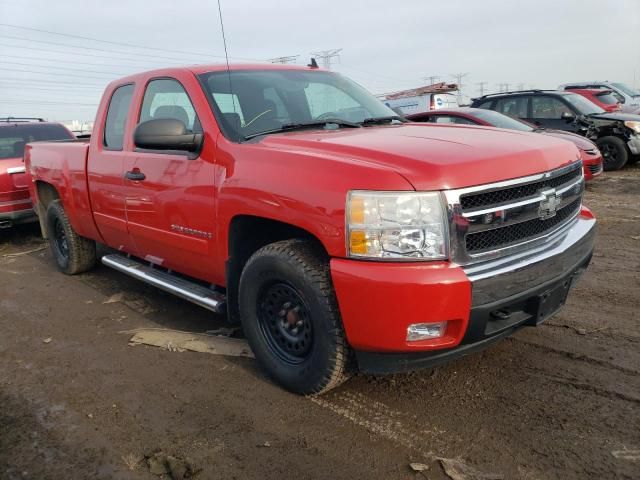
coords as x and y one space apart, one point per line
123 44
119 52
284 60
63 68
326 56
45 102
39 82
74 62
55 74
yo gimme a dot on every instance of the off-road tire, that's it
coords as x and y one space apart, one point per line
73 254
303 270
614 152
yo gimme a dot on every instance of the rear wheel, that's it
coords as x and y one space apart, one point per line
614 152
73 253
291 319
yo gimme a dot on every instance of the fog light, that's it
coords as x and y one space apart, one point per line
425 331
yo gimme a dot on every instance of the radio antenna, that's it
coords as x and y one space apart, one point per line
226 56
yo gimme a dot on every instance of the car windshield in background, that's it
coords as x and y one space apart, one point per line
249 102
13 138
502 121
582 105
626 89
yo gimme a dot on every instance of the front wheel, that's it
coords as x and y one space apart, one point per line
73 253
614 152
290 317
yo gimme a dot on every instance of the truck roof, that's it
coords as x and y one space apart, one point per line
215 67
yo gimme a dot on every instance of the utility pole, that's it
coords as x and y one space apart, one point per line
520 86
481 87
327 56
504 87
431 79
284 60
459 77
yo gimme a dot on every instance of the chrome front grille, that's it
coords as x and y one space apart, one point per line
496 220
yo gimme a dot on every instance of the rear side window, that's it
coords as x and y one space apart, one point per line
513 106
607 98
13 138
117 117
167 98
548 107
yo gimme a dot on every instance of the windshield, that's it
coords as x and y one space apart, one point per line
501 121
247 102
13 138
626 89
582 105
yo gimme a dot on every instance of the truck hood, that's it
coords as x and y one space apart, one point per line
435 157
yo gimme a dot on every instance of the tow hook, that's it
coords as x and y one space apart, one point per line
500 314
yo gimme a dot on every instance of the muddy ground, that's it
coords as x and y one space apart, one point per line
561 401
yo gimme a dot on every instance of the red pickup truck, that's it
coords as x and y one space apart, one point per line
339 236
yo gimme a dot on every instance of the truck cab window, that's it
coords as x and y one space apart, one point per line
117 117
166 98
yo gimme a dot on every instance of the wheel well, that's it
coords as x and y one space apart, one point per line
46 194
247 234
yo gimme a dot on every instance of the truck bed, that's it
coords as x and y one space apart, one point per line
63 164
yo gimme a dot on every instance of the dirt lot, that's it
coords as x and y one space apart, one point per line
561 401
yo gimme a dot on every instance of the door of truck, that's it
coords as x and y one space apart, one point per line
170 202
547 111
105 167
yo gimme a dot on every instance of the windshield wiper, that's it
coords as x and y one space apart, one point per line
381 120
288 127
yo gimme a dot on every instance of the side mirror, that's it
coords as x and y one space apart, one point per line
568 116
166 134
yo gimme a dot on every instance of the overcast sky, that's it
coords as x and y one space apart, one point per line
387 45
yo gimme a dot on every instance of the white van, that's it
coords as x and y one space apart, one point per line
422 103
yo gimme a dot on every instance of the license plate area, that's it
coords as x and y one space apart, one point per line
550 301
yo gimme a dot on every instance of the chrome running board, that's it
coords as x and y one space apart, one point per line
190 291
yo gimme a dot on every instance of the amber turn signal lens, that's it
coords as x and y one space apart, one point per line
358 242
356 211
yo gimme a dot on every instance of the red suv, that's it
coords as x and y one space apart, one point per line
605 99
15 133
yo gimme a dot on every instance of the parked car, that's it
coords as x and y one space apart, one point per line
627 96
605 99
616 134
15 204
591 157
337 233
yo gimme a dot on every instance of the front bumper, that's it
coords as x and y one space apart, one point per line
482 303
634 144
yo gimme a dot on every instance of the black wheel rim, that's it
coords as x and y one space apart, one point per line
60 239
609 153
285 322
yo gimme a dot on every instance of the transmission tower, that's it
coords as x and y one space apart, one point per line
504 87
431 79
481 87
327 56
459 77
284 60
520 86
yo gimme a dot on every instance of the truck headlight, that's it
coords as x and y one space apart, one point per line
396 225
633 125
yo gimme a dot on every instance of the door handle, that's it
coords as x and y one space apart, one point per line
135 175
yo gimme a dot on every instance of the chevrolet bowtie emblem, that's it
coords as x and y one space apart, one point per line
548 204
